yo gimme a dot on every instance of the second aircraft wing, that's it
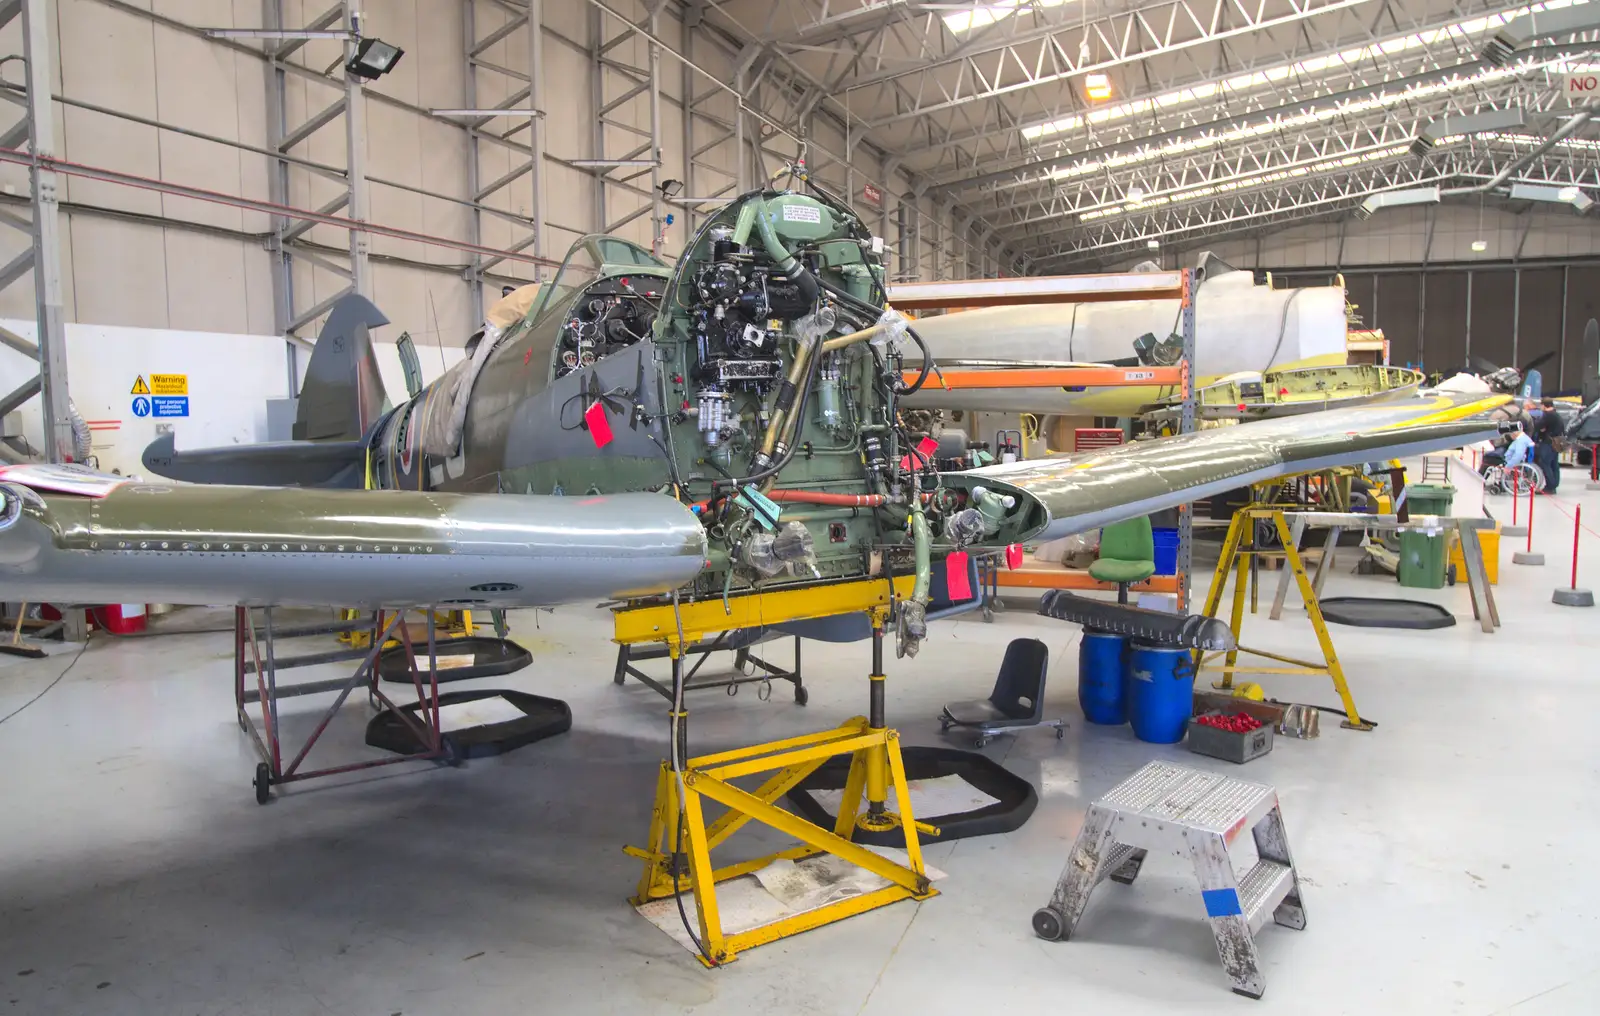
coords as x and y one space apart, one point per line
1075 493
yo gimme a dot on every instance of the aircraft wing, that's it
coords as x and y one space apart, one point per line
69 535
1075 493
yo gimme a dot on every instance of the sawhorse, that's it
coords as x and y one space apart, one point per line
1239 548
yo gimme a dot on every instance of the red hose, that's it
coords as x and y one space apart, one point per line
825 498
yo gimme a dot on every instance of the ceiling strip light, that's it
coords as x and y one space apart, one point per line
1315 66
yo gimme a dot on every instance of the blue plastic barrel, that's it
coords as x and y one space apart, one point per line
1165 542
1159 692
1100 666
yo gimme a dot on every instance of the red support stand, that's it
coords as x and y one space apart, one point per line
268 692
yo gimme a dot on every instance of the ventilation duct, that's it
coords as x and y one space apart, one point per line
1518 32
1392 199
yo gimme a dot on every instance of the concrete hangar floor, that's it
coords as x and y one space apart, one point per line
1445 853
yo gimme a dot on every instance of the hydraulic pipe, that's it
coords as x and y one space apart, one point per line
787 396
877 762
827 498
849 340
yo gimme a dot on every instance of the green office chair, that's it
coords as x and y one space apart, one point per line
1127 555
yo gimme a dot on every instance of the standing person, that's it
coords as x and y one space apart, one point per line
1547 432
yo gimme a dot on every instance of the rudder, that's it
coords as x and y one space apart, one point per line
343 394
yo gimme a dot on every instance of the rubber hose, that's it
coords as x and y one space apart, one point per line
861 305
922 547
81 435
788 266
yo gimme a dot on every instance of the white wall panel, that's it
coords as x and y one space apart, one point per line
119 272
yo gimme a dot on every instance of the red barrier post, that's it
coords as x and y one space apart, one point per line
1530 518
1577 527
1594 462
1513 504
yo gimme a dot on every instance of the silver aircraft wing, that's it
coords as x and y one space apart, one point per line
1074 493
68 535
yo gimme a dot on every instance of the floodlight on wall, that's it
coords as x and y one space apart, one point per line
1391 199
1152 244
1135 193
1097 87
373 58
670 188
1519 32
1479 246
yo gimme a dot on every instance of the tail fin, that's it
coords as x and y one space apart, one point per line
1532 385
343 394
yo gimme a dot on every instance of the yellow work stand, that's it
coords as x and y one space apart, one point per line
1238 548
453 624
678 849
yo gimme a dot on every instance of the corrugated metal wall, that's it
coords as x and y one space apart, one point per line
1516 314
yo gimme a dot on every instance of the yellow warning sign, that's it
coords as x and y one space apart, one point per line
139 387
169 384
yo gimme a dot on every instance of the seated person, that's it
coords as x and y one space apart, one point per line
1519 450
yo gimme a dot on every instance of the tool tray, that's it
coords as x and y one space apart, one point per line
1225 744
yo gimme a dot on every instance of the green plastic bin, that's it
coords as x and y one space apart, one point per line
1423 554
1430 498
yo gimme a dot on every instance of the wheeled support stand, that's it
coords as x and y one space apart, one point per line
248 659
1172 809
760 671
677 853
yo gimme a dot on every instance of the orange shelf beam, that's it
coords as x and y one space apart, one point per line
1053 377
1062 578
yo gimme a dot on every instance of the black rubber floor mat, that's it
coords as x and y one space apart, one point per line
1377 612
1015 804
542 717
490 657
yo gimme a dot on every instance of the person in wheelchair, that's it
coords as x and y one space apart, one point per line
1515 449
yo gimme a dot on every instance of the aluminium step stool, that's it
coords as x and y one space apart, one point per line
1195 814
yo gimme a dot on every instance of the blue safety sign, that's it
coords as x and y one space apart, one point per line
141 406
169 405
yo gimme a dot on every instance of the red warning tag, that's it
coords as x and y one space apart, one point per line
599 426
1014 556
925 449
957 583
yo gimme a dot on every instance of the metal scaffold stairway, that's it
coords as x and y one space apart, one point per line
1185 812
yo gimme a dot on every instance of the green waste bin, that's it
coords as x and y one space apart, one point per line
1422 558
1430 498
